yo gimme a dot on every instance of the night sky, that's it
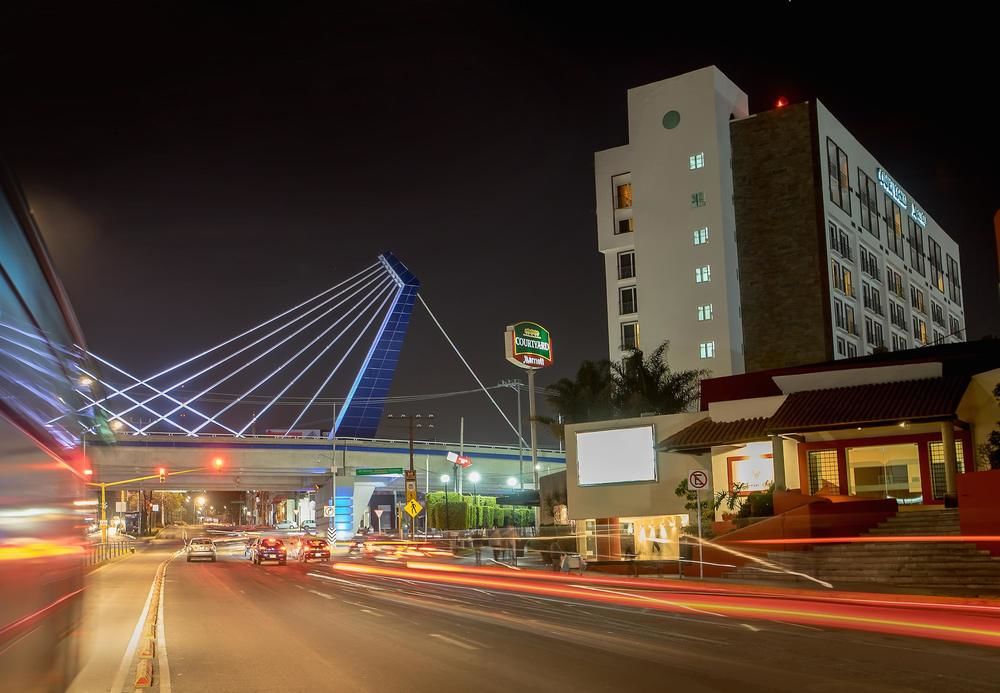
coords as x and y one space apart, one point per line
196 170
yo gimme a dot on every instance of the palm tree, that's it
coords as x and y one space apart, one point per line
646 384
587 397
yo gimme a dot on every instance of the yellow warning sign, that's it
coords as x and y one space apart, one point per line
413 507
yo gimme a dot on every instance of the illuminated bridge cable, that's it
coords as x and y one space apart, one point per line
349 280
250 346
343 358
318 356
378 289
211 419
126 396
483 387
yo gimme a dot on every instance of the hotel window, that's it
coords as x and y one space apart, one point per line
840 192
936 454
626 264
852 350
707 350
897 315
873 333
895 281
841 347
824 472
623 196
938 337
917 300
954 283
703 274
842 278
919 330
705 312
872 298
696 161
844 316
627 300
630 336
916 234
840 241
701 236
894 221
626 225
937 265
869 203
869 263
698 199
899 342
937 314
955 325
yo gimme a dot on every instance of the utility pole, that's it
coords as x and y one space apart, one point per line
516 386
461 451
411 472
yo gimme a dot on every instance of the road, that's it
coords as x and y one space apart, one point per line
233 626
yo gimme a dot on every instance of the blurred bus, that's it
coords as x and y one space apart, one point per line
43 511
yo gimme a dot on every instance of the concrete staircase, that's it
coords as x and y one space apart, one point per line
947 566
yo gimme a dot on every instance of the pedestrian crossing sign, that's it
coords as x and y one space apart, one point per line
413 507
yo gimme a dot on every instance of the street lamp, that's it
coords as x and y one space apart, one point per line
511 481
475 478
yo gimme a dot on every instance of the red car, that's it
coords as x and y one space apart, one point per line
314 550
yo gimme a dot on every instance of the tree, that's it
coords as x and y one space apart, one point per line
587 397
646 384
989 452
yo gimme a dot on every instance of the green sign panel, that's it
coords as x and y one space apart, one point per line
528 345
378 471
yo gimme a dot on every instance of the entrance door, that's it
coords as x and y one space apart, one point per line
885 471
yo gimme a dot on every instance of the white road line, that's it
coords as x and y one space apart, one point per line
452 641
751 628
370 611
161 643
299 586
126 665
346 582
321 594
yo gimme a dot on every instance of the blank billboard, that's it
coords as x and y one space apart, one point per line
617 456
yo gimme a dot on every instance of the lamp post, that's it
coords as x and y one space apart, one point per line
475 478
444 484
517 385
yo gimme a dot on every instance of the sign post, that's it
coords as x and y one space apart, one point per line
378 517
411 497
528 345
698 479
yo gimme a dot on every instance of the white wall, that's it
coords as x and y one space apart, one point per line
633 499
662 186
980 408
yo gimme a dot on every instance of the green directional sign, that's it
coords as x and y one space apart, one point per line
378 471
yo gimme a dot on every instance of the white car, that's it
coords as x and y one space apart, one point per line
286 525
201 547
309 524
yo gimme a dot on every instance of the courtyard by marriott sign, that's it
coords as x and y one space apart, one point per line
528 345
896 193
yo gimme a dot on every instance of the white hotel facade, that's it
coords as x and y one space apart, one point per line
762 241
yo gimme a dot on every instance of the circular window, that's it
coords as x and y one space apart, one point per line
671 119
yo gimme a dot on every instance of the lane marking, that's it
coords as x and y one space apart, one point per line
373 613
452 641
133 643
161 643
750 628
321 594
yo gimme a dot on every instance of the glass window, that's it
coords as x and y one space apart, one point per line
916 240
936 451
954 281
707 350
852 350
868 193
919 330
955 325
626 264
840 192
698 199
894 221
917 299
625 225
937 265
884 471
696 161
841 347
824 473
623 196
627 300
937 314
895 281
630 336
703 274
701 236
705 312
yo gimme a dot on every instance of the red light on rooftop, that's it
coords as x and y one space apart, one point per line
218 462
88 472
781 102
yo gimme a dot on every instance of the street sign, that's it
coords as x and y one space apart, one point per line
411 484
461 460
156 507
697 479
378 471
413 508
327 511
120 506
528 345
378 513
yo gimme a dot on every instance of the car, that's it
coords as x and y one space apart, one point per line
269 549
201 547
286 525
308 525
314 550
251 543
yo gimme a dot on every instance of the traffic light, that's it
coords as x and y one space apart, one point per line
218 462
163 474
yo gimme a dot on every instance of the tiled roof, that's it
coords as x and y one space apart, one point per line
706 433
909 400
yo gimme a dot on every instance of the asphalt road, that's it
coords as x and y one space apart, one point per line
233 626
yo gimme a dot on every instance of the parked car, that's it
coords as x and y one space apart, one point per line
201 547
270 549
308 525
286 525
